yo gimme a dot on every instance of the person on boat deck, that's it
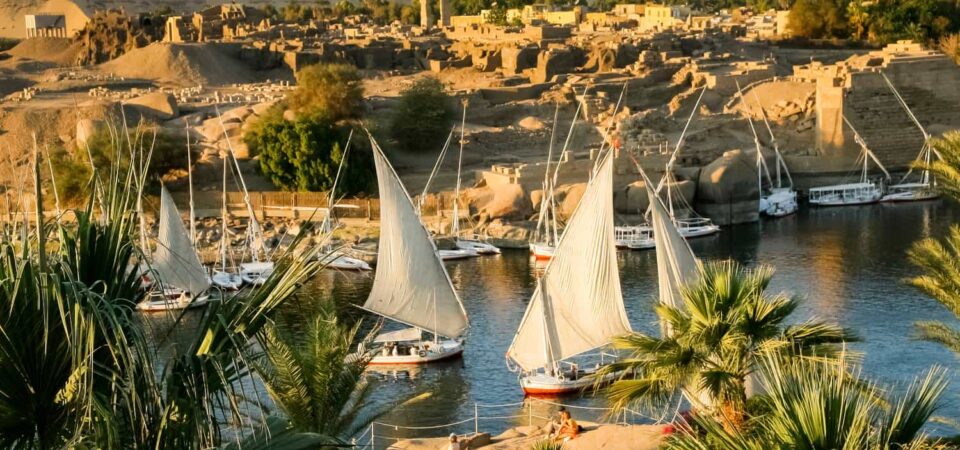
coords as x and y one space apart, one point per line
454 442
568 428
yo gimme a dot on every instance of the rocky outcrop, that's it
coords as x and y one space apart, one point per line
633 199
159 105
728 192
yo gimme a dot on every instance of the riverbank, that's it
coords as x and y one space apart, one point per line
594 437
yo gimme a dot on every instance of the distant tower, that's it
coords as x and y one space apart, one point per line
444 13
425 21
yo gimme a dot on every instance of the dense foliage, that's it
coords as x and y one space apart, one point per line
811 403
880 22
716 340
304 154
73 168
79 370
330 91
422 117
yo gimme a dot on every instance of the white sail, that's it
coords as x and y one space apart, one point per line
175 261
578 304
411 285
676 264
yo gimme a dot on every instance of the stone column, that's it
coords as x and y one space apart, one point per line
829 108
425 20
445 13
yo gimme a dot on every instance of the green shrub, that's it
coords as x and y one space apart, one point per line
422 119
332 91
72 167
304 154
547 444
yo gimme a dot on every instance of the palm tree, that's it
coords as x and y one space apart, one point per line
816 403
940 261
717 335
316 379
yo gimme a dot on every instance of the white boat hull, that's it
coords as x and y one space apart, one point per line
451 255
780 202
226 280
256 273
165 302
344 262
482 248
540 383
913 195
845 194
542 251
424 352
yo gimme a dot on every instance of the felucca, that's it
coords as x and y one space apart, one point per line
926 187
223 276
776 200
182 279
336 258
410 284
472 243
577 306
859 193
545 236
693 225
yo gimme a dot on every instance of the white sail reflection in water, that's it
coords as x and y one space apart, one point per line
410 285
176 261
578 303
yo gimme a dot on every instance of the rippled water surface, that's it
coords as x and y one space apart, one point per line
849 263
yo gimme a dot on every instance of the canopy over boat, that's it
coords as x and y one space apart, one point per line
577 305
175 261
404 335
410 285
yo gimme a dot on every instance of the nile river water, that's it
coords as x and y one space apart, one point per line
848 263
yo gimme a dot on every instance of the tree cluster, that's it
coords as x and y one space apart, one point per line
880 22
303 153
422 118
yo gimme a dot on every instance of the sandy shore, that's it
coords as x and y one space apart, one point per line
594 437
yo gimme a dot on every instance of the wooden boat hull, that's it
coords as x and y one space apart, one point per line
542 251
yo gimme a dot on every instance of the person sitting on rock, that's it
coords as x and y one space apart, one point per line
568 428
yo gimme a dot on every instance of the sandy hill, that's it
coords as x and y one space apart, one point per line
183 64
59 51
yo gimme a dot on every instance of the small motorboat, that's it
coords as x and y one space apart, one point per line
256 273
171 299
482 248
340 261
451 255
230 281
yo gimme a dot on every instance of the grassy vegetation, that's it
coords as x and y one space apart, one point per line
78 370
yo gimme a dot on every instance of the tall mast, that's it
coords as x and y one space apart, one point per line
253 227
544 201
193 226
456 193
223 220
333 189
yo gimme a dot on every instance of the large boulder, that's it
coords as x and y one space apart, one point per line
159 105
728 191
633 199
569 198
507 201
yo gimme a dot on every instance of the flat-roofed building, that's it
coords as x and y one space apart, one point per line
46 25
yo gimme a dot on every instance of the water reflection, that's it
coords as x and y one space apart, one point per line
848 263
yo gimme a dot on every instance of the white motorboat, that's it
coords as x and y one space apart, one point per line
176 266
577 306
696 227
455 254
637 237
341 261
779 202
411 285
859 193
